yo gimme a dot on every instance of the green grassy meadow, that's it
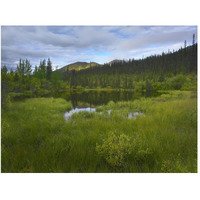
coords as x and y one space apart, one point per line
36 138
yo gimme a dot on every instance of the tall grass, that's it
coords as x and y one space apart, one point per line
35 137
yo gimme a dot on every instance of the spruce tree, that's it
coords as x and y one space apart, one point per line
49 69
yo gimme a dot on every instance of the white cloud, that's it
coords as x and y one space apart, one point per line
68 44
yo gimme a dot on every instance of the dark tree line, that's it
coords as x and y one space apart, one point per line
123 73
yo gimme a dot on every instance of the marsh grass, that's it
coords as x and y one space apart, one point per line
36 138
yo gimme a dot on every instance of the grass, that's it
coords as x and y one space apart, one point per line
35 137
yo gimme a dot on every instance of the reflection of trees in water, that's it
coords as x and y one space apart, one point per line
149 93
96 98
99 97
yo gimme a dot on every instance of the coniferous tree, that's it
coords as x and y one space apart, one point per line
49 69
24 68
42 69
73 79
4 87
185 44
193 39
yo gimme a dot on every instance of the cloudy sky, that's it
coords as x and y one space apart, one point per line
68 44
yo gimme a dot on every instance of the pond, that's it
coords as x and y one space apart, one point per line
68 114
93 98
88 100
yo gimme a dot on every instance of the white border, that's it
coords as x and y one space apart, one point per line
99 186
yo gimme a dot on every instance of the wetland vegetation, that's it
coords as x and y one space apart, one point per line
144 117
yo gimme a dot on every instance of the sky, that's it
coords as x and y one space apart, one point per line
101 44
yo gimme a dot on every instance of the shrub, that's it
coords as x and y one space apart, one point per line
111 104
99 109
177 82
143 155
115 150
5 101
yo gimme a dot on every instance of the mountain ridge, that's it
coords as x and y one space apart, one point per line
78 66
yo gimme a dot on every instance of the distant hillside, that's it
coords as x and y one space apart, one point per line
78 66
115 61
164 71
183 60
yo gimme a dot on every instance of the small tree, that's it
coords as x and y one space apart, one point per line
5 98
185 44
49 69
24 67
193 39
42 69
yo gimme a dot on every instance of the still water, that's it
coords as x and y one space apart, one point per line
68 114
93 98
88 100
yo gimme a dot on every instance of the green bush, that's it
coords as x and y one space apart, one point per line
111 104
177 82
99 109
115 150
142 155
6 101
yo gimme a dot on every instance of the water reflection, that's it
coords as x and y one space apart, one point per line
134 115
67 115
92 98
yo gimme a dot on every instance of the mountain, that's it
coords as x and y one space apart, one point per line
115 61
183 60
78 66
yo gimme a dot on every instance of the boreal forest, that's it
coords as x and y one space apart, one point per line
168 71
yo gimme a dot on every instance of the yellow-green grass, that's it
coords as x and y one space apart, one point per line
36 138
